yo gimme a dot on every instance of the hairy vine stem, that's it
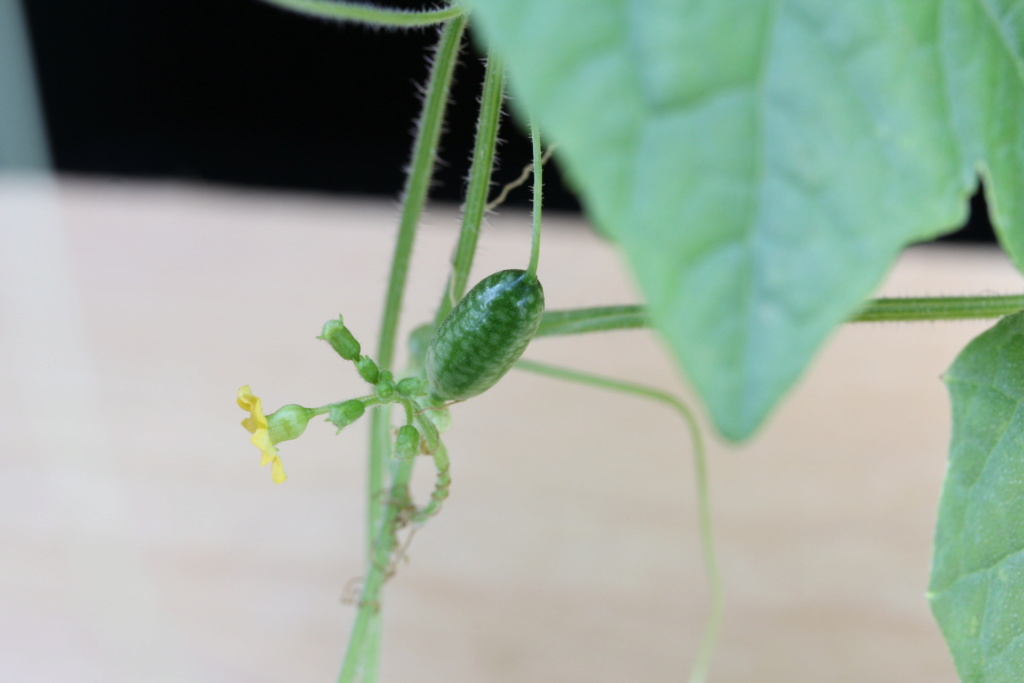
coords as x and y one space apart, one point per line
368 14
538 196
382 519
397 509
484 151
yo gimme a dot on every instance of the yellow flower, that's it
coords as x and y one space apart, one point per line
256 423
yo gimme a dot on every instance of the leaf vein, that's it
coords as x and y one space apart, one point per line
752 294
998 28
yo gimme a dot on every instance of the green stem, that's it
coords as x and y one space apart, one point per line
418 182
358 661
363 649
365 638
368 400
368 14
580 320
479 184
914 309
538 197
417 185
699 672
373 644
939 308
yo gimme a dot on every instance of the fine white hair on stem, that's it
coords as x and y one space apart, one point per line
371 16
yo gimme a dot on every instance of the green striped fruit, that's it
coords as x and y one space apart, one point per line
484 335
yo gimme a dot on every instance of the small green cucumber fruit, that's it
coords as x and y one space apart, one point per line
484 335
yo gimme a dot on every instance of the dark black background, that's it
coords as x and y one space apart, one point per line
236 91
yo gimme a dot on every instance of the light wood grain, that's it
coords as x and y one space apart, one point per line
141 541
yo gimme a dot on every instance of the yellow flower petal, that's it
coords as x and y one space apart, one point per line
245 397
277 471
261 440
252 424
256 424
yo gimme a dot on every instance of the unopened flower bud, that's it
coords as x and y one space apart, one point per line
407 442
344 414
368 369
410 386
385 386
341 340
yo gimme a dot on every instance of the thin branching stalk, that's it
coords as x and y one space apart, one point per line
702 662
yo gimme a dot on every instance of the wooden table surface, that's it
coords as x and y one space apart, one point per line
141 541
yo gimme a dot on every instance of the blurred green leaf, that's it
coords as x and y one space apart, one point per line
763 163
977 580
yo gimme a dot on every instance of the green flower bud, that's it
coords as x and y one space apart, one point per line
288 423
367 369
341 340
411 387
344 414
407 443
385 386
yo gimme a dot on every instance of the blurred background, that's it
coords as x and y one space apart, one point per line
238 92
226 180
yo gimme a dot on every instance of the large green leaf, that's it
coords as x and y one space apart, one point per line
762 163
977 582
